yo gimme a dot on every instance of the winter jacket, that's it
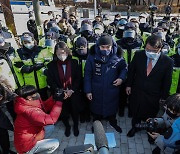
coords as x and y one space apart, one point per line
32 116
99 78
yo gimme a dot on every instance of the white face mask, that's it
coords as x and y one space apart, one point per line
62 57
98 31
152 55
29 45
142 20
106 22
171 30
179 51
164 51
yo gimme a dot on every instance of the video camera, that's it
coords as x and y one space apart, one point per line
149 126
153 8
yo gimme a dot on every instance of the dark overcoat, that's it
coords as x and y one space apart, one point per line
54 82
148 90
99 78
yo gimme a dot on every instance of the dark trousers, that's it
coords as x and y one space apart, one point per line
85 113
112 119
123 99
67 110
4 140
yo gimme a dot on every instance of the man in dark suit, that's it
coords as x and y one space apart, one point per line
148 82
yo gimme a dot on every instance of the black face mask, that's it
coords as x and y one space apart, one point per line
86 34
172 115
119 33
36 97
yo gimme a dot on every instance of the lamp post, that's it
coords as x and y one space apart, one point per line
37 13
95 8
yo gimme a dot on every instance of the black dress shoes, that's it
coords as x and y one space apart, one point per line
132 132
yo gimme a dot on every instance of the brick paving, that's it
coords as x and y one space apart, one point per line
124 145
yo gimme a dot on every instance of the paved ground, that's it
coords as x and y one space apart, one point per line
135 145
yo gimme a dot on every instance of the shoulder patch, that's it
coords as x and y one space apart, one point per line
168 133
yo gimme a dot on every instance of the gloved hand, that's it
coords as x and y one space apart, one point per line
38 66
58 95
27 69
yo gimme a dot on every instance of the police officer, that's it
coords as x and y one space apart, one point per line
8 57
86 31
130 43
32 63
80 53
175 86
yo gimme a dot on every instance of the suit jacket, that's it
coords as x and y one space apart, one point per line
147 90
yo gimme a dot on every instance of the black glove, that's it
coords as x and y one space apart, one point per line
38 66
58 95
27 69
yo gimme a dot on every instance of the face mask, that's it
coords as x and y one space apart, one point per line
98 31
171 30
121 27
62 57
81 52
106 22
152 55
49 42
36 97
87 34
172 115
29 45
105 52
164 51
179 51
142 20
129 33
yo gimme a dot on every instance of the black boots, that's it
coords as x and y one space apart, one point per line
76 130
67 131
131 132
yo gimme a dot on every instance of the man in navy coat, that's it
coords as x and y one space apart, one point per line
104 73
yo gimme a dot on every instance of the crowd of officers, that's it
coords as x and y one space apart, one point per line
31 63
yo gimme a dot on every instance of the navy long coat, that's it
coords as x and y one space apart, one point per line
99 78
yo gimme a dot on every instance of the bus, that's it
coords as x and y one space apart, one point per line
22 6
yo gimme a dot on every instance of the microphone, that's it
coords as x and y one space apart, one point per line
100 138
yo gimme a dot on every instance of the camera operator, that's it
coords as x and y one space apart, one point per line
5 123
171 122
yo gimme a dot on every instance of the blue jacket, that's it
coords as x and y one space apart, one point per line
171 138
99 78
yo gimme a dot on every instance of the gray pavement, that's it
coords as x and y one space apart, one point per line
124 145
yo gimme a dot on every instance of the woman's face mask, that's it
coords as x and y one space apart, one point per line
62 57
35 96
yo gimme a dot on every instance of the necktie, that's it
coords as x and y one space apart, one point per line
149 67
